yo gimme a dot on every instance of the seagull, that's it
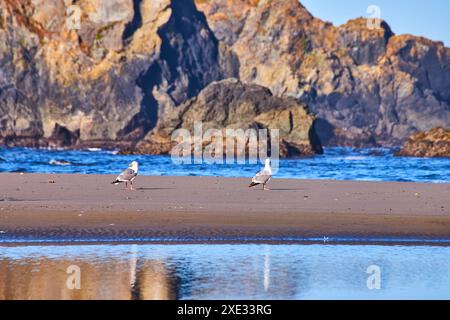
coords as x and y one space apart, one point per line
263 176
128 175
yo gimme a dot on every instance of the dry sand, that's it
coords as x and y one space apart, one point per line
82 207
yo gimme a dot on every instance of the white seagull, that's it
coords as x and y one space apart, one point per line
128 175
263 176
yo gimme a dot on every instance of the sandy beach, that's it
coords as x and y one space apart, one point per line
86 207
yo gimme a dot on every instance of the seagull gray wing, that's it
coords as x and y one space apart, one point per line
127 175
262 177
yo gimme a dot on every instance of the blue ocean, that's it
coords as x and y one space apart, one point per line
338 163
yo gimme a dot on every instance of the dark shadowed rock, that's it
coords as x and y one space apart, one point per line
230 104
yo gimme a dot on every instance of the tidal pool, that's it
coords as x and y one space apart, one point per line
224 271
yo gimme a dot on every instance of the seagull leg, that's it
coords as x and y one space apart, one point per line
126 185
131 185
264 187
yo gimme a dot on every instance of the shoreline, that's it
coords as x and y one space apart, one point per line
260 241
72 208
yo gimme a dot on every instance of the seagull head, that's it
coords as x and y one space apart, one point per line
267 162
134 165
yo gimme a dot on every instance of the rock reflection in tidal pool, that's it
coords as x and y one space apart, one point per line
240 271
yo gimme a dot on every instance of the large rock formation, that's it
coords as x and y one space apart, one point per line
106 82
368 86
230 104
117 77
433 143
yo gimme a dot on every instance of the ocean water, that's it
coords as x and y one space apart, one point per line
337 163
242 271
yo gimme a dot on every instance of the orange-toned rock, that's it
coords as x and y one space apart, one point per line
94 80
433 143
367 85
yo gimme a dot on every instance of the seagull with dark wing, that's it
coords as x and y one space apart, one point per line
128 175
263 176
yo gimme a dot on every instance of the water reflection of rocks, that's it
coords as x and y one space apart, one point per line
45 278
136 272
224 271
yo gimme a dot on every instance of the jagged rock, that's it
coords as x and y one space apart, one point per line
230 104
368 86
433 143
106 81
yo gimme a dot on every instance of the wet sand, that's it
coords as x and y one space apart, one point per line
87 207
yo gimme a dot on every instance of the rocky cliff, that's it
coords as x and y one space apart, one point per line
119 76
107 82
367 85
